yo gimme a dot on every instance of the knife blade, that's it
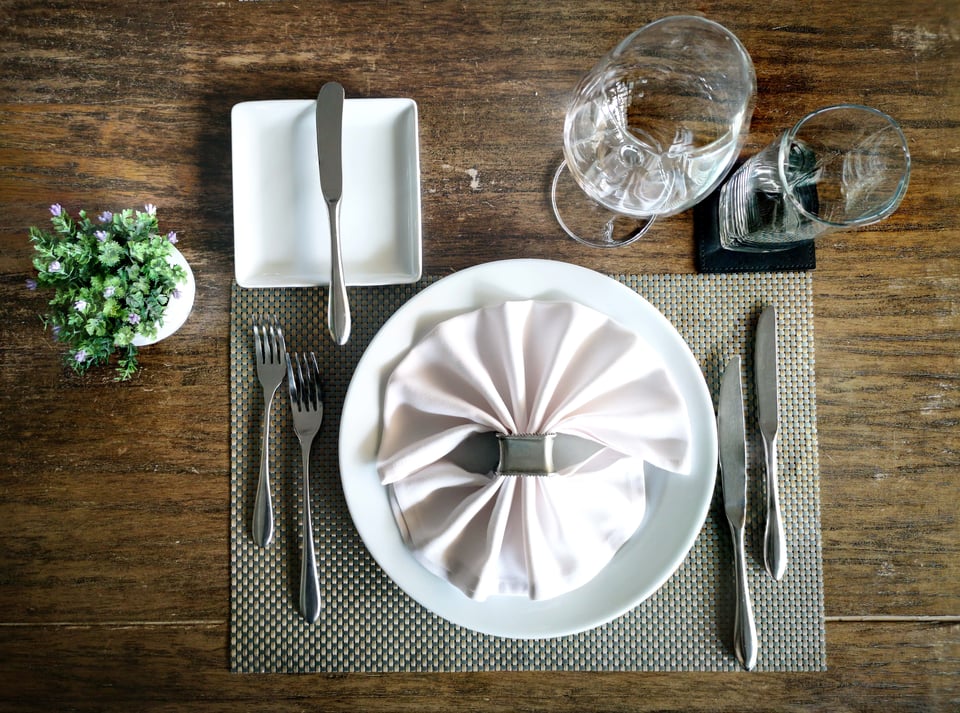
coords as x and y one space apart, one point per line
733 475
766 377
329 116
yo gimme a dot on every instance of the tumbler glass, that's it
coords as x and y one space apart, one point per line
839 167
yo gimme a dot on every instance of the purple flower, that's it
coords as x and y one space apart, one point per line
31 284
105 217
80 356
172 237
150 209
134 318
54 266
101 235
56 331
56 209
108 291
80 305
176 294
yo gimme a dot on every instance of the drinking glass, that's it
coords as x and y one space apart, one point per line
839 167
652 129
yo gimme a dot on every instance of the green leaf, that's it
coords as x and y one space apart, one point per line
111 308
110 253
123 337
138 251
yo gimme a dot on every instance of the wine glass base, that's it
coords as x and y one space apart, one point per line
588 222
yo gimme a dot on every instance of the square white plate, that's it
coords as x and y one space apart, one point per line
281 231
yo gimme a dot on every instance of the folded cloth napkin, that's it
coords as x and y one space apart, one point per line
526 367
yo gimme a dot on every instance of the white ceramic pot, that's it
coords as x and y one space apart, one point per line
178 309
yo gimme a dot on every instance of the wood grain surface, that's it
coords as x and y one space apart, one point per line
114 501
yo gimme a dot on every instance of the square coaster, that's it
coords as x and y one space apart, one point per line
713 257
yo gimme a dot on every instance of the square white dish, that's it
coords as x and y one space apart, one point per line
281 230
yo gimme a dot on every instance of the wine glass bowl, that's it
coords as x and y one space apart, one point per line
658 122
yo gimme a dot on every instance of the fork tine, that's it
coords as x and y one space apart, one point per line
281 344
292 378
303 385
316 390
272 340
257 341
307 377
269 339
303 374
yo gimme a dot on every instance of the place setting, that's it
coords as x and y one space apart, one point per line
526 464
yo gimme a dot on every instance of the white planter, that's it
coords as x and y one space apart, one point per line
178 309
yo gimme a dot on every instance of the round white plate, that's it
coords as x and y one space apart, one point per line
677 505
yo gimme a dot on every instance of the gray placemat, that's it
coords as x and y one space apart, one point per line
369 624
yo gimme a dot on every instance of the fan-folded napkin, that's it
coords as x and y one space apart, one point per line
526 367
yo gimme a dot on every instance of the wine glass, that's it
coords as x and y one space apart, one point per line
652 129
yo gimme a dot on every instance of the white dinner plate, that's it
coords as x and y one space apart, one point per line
677 505
281 231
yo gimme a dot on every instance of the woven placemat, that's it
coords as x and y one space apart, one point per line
369 624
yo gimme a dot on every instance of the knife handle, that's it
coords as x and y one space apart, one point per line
745 628
775 540
338 309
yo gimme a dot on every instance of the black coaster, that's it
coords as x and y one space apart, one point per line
712 257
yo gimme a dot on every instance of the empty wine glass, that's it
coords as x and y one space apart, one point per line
652 129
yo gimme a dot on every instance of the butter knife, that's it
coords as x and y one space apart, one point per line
733 474
765 366
330 150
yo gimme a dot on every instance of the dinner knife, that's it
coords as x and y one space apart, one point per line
330 151
733 474
766 377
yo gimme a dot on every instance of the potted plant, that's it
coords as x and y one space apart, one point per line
118 284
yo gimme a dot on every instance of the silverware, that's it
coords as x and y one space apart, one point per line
765 367
306 403
271 357
330 148
733 472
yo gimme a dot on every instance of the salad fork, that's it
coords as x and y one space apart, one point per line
306 403
271 356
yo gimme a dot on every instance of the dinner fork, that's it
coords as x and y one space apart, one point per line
306 403
271 356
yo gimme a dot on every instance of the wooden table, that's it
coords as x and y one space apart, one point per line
114 496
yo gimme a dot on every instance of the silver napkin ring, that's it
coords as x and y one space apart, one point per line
526 454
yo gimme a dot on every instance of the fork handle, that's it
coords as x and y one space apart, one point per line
263 503
309 581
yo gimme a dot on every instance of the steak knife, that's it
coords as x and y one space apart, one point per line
733 474
330 150
765 366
